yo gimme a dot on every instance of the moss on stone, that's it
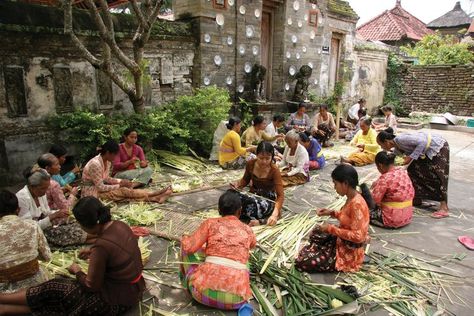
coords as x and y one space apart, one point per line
343 8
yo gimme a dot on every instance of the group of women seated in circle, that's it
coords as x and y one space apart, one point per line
215 273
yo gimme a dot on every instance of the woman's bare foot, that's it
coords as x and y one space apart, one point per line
159 192
161 197
443 207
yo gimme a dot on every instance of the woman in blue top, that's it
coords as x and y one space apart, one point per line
60 152
316 157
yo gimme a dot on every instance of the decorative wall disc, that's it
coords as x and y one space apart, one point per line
255 50
287 86
207 38
220 19
240 88
218 60
247 67
294 39
242 9
249 31
207 81
296 5
292 70
242 49
228 80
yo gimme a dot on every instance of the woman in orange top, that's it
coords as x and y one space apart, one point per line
218 276
334 248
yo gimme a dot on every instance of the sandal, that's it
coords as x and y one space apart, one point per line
440 214
467 242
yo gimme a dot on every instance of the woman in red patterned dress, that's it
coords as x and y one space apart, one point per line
340 248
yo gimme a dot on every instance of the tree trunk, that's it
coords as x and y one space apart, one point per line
138 104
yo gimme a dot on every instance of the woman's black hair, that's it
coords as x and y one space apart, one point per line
362 112
89 211
8 203
58 150
385 158
278 118
323 107
385 135
258 120
301 105
232 122
229 203
387 108
110 146
128 131
361 100
266 148
304 137
345 173
45 160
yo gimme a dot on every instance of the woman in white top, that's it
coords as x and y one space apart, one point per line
33 205
352 114
295 161
390 120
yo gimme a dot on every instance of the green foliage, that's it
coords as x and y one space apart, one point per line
189 122
393 88
435 49
247 111
330 101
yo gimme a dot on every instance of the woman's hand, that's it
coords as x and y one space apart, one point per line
361 146
407 160
323 228
58 215
74 191
143 164
76 169
84 254
324 212
273 219
74 268
251 149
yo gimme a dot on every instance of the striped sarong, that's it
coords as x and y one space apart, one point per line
217 299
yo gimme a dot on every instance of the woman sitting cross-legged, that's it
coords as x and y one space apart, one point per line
64 180
218 275
125 163
315 153
295 161
393 194
256 133
112 285
96 180
323 126
23 244
33 205
265 203
231 153
340 248
366 142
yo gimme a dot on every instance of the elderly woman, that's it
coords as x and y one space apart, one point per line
393 194
96 181
33 205
64 180
130 155
231 153
323 126
256 133
366 142
315 153
112 284
299 120
23 244
295 161
55 195
427 157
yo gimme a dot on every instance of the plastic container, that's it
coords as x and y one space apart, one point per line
245 310
470 123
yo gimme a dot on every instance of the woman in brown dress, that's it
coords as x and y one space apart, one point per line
113 282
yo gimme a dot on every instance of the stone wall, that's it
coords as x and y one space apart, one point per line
439 89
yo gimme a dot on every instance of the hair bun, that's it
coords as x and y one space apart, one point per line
103 215
389 130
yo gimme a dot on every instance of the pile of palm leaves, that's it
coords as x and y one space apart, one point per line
138 214
188 164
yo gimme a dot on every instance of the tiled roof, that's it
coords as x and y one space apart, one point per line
471 28
455 17
394 25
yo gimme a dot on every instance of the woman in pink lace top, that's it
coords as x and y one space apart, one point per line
222 281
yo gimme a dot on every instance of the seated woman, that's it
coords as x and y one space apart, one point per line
54 194
112 285
23 244
265 180
427 157
33 205
390 120
125 163
218 275
299 120
64 180
231 153
323 126
315 153
393 194
340 248
272 128
295 161
96 181
256 133
366 142
349 135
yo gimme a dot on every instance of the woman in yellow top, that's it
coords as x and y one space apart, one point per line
366 142
256 133
231 153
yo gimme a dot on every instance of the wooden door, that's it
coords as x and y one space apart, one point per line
266 51
334 62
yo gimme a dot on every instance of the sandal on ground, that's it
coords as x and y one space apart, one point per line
467 242
440 214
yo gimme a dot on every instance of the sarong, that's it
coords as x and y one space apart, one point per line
238 163
296 179
65 235
361 158
256 208
327 134
319 255
140 175
124 194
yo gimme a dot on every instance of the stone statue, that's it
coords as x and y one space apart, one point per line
254 86
302 83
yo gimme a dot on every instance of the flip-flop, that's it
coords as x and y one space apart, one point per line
467 242
440 214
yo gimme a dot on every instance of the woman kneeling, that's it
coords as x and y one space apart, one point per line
218 276
113 282
340 248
